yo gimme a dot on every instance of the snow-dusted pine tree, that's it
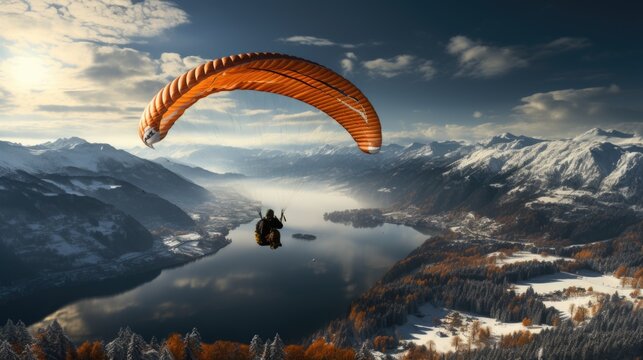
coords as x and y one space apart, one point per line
136 348
256 348
165 354
154 343
6 352
365 352
192 342
54 343
277 349
28 354
265 354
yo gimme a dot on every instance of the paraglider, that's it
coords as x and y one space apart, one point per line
266 230
275 73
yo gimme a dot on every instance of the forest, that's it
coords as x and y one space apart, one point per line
461 275
51 343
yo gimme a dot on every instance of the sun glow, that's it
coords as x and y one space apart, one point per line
27 72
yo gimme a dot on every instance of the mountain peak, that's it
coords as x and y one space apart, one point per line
507 138
598 132
64 143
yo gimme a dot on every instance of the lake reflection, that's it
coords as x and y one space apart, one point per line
245 289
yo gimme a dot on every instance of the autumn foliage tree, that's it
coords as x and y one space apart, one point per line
91 351
421 353
382 343
516 339
321 350
526 322
581 314
295 352
224 350
176 346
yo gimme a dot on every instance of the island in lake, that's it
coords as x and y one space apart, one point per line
309 237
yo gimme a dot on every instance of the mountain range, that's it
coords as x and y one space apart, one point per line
69 204
559 188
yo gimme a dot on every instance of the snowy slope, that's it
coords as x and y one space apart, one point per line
599 161
62 153
75 156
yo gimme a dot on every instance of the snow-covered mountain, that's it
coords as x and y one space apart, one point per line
75 156
69 203
599 162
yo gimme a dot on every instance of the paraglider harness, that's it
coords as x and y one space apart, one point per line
266 233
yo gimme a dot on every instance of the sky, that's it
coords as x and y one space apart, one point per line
441 71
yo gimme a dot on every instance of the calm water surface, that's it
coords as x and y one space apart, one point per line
245 289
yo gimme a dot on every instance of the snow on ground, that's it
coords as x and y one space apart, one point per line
600 284
564 305
606 284
93 185
190 248
562 195
189 237
424 328
524 256
64 188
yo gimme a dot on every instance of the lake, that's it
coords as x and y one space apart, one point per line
245 289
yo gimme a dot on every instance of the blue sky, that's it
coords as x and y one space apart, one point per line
456 70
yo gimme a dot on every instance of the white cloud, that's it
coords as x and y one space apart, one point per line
68 65
348 62
44 22
477 114
567 43
427 69
299 115
314 41
254 112
586 105
398 65
478 60
173 65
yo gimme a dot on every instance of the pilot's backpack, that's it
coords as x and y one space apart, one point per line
259 232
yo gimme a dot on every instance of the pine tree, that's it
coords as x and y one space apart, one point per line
256 348
192 343
154 343
6 352
118 348
54 343
28 354
136 348
265 355
165 354
277 349
365 352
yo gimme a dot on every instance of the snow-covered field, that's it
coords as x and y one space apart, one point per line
599 284
424 329
606 284
524 256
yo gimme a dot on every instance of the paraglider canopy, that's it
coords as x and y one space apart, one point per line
275 73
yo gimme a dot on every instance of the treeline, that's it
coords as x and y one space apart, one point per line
51 343
445 273
358 218
624 251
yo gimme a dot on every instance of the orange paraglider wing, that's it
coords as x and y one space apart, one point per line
269 72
